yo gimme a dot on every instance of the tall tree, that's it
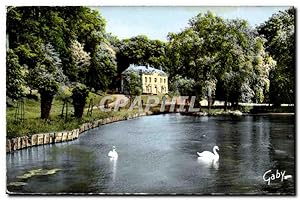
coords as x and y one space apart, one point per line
279 31
194 52
141 51
80 62
46 77
223 57
133 83
103 68
74 34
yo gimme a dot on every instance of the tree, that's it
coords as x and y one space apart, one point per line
183 86
80 62
133 83
262 65
79 95
75 35
14 76
246 66
194 52
279 32
225 58
140 50
46 77
103 68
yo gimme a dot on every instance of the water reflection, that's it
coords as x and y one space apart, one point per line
159 156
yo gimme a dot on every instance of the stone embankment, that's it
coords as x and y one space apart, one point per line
63 136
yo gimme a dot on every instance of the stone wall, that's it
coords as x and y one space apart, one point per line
63 136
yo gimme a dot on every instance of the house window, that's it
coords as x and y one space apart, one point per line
149 79
164 80
160 80
145 79
155 80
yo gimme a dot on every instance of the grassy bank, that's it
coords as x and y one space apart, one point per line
33 124
270 109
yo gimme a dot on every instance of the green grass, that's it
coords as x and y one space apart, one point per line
212 111
32 123
271 109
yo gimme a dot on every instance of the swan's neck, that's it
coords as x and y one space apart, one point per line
215 152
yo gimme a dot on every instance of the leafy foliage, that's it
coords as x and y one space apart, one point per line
141 51
80 62
14 76
279 32
182 86
133 83
103 67
79 96
225 58
48 75
57 48
79 57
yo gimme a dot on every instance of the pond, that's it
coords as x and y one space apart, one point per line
158 155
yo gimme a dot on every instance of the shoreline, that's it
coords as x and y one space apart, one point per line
23 142
268 114
236 113
38 139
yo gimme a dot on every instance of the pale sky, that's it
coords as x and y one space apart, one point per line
157 22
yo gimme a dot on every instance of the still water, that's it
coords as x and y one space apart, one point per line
157 154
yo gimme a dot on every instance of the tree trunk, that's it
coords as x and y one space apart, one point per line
209 103
78 107
79 104
46 103
225 105
79 99
78 110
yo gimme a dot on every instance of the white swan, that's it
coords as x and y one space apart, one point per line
207 155
113 154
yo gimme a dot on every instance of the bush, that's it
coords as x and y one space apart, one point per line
79 96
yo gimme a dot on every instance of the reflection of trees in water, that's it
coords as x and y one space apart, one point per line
255 150
282 151
85 172
248 155
229 156
244 154
80 169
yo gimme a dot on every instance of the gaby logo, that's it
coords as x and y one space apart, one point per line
269 176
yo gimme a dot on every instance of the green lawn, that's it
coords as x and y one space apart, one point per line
33 124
